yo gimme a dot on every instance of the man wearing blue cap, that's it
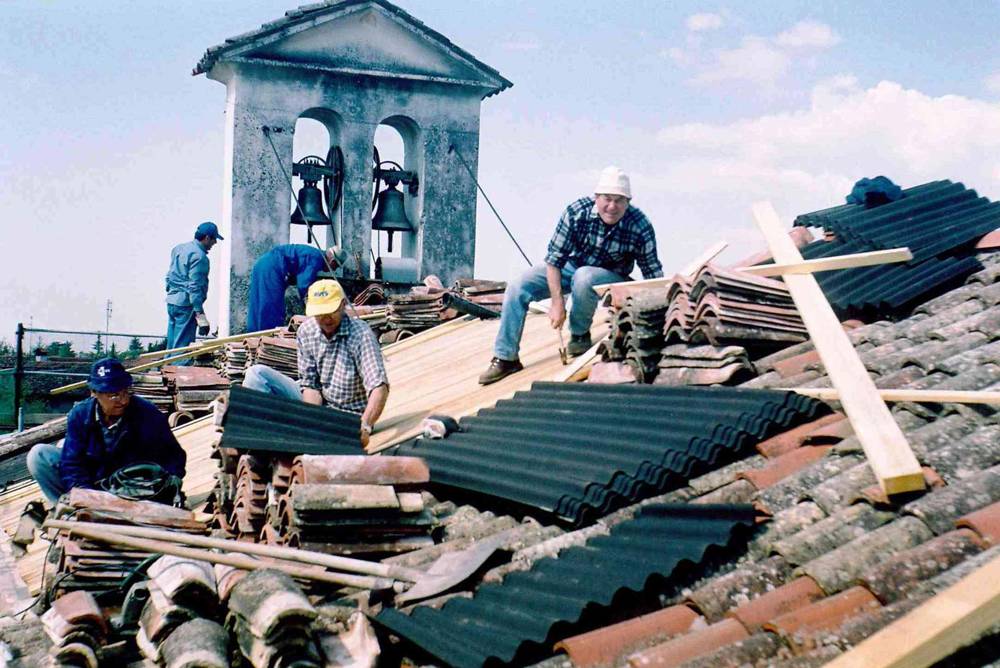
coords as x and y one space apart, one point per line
187 287
109 431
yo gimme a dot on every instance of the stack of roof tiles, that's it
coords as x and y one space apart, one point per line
179 590
94 566
278 352
939 222
153 388
572 451
261 435
514 622
684 364
418 310
194 387
353 504
724 306
488 294
637 332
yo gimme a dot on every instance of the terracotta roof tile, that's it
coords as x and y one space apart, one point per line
875 495
720 594
796 594
830 533
831 433
836 570
603 645
785 465
989 241
807 361
757 648
793 489
966 457
785 523
941 509
985 522
828 613
683 648
899 574
793 438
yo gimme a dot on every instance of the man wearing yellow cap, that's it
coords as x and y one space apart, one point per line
340 362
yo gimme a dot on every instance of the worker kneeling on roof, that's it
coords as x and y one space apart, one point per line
107 434
340 362
598 240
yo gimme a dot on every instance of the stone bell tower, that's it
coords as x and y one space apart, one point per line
352 65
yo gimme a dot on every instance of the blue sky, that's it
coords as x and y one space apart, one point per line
112 151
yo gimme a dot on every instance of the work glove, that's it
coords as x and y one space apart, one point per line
202 321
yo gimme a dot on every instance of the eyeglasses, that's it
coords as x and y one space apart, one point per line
121 395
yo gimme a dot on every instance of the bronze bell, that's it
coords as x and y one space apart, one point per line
310 209
390 216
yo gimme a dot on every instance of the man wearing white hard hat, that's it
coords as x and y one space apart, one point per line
598 240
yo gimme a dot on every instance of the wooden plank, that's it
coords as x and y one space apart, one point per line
428 334
888 453
210 343
954 618
690 269
829 263
916 396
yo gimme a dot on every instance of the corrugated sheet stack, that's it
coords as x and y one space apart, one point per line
612 445
92 566
354 504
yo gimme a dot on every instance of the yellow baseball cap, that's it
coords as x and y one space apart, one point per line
324 297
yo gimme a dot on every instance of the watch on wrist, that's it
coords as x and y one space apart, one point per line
366 428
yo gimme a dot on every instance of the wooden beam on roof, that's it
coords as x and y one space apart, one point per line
936 629
915 396
569 373
210 343
829 263
888 453
690 269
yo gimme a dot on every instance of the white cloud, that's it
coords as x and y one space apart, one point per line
808 35
703 21
992 82
755 60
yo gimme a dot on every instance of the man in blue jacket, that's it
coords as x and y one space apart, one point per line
110 430
288 264
187 287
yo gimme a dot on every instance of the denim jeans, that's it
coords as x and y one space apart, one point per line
532 286
181 327
43 465
263 378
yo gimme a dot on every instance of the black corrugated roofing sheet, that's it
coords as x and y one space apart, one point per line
517 621
580 450
938 221
259 421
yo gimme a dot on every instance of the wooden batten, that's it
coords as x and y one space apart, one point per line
888 453
829 263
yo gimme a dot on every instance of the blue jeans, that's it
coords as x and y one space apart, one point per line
532 286
263 378
181 328
43 465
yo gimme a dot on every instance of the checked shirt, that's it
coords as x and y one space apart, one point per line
582 238
346 367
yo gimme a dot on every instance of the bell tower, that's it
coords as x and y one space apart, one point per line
353 65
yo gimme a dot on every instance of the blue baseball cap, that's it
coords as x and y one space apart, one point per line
208 229
109 375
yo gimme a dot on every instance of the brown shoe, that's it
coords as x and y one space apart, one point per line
499 369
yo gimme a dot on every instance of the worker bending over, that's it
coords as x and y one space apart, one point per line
187 287
598 240
340 362
278 268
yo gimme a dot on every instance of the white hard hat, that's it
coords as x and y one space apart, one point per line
613 181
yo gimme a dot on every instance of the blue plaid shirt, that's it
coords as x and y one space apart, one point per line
346 367
584 240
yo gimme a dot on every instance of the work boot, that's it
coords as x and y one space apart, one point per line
499 369
578 344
